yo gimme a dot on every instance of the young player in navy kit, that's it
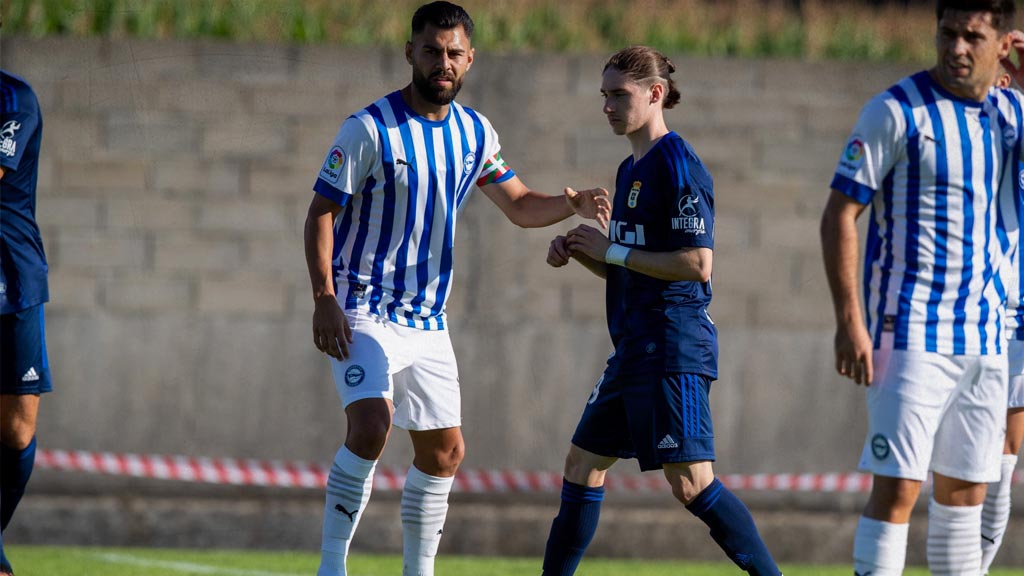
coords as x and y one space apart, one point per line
652 401
24 369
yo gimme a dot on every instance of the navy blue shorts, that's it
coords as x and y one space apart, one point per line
24 368
657 419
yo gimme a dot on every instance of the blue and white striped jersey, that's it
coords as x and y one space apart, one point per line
934 167
402 180
1012 276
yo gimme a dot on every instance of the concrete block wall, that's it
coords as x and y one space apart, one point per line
174 182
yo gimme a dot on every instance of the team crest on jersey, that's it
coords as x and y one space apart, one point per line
634 193
1009 136
689 220
853 155
331 170
1020 179
8 145
468 162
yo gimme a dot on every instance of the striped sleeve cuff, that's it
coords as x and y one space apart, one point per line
330 192
853 189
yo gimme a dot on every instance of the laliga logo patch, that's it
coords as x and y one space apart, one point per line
1020 179
1009 136
853 156
468 162
854 150
332 165
634 193
354 376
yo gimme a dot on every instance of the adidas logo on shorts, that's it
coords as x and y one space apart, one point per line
667 442
31 375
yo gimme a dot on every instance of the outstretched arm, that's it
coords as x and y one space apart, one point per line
531 209
839 244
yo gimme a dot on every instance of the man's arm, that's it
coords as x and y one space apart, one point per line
693 264
559 255
2 172
531 209
839 244
331 332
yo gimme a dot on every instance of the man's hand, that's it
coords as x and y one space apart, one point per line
588 241
853 353
331 332
592 204
558 252
1016 70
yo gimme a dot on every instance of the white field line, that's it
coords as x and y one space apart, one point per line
187 567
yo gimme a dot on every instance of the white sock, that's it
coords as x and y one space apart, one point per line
424 507
996 513
954 539
348 490
879 548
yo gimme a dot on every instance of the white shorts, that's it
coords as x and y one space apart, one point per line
1015 355
938 412
413 368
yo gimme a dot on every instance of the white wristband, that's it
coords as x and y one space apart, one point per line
616 254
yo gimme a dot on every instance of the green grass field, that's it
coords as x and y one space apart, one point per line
54 561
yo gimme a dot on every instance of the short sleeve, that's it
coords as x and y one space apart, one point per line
349 161
16 130
871 151
494 169
693 204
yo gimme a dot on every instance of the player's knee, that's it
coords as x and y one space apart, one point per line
367 440
892 499
449 458
17 435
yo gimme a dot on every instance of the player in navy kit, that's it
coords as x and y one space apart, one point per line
651 403
24 369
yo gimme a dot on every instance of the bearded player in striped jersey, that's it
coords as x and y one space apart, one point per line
379 238
933 156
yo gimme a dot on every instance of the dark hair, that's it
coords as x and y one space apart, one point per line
1002 11
443 15
642 63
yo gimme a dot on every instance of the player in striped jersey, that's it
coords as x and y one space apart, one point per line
652 402
995 513
379 239
932 155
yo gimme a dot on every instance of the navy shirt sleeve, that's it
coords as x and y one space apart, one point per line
20 120
693 202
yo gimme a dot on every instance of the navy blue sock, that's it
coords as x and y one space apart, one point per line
4 564
732 527
15 468
572 529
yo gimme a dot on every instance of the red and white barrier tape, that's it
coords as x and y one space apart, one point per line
304 475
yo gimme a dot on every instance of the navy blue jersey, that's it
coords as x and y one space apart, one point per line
22 260
663 203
